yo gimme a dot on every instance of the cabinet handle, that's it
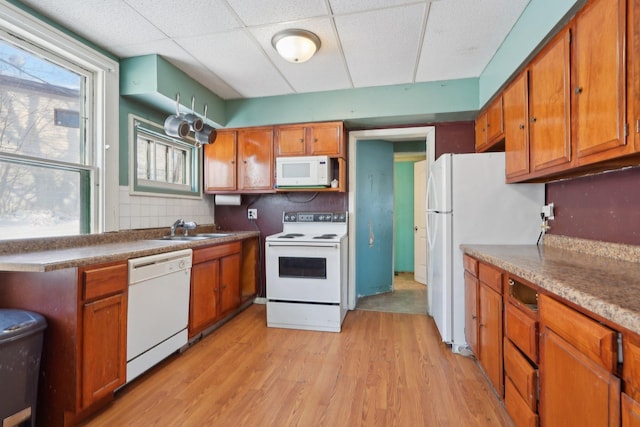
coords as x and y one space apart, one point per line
521 126
511 282
301 139
474 317
315 139
533 119
224 286
578 90
233 161
244 161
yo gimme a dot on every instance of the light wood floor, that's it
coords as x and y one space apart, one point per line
383 369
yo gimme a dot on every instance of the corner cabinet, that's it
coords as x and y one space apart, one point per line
240 161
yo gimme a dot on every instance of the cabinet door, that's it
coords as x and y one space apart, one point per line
220 163
495 122
549 106
255 156
326 139
203 301
290 141
630 412
516 127
490 335
104 341
481 131
471 312
633 67
598 71
575 391
229 282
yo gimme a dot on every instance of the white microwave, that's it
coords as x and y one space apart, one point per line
303 171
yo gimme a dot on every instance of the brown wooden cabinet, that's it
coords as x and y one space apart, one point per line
215 285
103 355
490 126
240 161
577 362
598 72
550 107
633 71
483 317
310 139
516 126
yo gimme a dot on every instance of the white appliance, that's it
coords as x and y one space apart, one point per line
304 171
468 202
306 272
158 308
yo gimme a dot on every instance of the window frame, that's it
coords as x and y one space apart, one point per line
145 187
101 135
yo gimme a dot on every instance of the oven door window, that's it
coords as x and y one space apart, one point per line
298 267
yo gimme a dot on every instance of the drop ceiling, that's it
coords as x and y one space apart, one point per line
226 44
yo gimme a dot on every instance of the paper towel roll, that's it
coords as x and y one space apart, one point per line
227 199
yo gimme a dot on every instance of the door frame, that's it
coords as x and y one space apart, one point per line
395 134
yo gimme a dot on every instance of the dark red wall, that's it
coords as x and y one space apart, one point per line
599 207
458 137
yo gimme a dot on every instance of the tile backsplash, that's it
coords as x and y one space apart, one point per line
150 211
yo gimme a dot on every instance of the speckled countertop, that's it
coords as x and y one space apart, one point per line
39 255
602 278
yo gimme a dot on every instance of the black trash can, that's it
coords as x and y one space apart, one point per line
21 334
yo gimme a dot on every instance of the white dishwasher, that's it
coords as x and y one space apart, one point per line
158 308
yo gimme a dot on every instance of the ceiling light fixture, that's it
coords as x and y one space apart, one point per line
296 45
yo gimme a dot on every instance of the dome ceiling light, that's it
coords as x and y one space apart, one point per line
296 45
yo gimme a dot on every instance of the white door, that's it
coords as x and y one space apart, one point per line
420 222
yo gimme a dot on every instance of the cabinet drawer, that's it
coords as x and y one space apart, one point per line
596 341
517 408
522 330
521 374
630 411
631 367
98 282
490 276
218 251
470 264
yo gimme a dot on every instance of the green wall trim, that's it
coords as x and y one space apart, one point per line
410 103
154 81
539 18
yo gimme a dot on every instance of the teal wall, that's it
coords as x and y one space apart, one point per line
403 215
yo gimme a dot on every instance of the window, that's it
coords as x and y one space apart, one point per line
162 164
56 96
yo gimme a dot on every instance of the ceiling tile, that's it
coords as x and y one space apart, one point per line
339 7
192 18
271 11
239 61
381 47
325 71
106 23
463 35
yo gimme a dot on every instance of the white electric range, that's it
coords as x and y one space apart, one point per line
306 271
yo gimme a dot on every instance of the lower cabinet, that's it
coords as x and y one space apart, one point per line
215 284
577 362
103 355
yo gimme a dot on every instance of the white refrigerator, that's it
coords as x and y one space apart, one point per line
468 202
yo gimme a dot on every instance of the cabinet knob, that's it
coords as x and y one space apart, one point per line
521 126
533 119
474 317
233 161
244 161
224 286
315 139
578 90
301 139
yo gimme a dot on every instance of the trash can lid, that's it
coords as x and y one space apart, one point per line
17 323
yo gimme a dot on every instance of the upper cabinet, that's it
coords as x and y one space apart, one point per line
240 161
311 139
582 92
490 126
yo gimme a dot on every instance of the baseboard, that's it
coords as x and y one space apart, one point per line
260 300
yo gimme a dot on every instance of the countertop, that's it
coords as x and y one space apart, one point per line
53 254
602 278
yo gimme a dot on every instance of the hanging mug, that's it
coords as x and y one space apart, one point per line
176 126
207 135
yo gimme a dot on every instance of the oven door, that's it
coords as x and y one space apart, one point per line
298 271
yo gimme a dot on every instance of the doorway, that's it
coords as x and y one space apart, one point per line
362 224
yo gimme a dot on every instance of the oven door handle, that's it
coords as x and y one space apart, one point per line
304 245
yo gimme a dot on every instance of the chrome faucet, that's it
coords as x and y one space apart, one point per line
191 225
178 223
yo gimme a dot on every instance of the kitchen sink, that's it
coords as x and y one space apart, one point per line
213 235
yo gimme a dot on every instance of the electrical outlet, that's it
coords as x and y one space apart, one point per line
547 211
252 213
